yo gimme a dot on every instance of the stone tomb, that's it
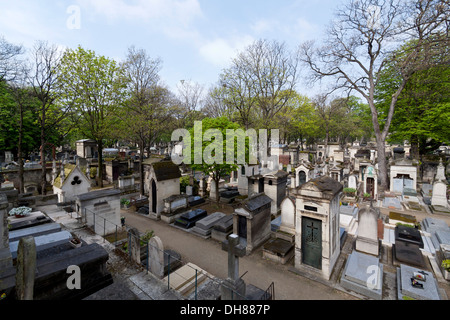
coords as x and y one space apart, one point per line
427 290
222 228
33 219
251 221
44 241
204 226
187 220
317 240
363 273
229 194
195 200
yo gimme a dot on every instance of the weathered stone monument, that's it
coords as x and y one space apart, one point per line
367 234
233 288
162 181
5 254
134 245
317 240
26 268
439 196
156 257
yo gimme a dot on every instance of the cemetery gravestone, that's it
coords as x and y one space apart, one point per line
134 245
156 257
367 237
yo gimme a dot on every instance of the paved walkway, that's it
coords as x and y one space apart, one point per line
208 255
132 282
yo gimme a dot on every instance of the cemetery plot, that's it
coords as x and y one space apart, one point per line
203 227
409 286
188 219
363 274
222 228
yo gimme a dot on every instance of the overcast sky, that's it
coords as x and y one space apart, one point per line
195 39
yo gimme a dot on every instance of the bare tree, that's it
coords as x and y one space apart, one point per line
362 38
145 106
190 97
10 65
261 80
43 79
215 104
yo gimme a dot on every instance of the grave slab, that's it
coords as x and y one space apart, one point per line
363 274
278 250
44 242
39 230
392 203
209 221
429 291
409 253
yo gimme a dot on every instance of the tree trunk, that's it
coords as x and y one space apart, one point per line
100 163
141 168
414 151
19 153
43 173
382 164
217 189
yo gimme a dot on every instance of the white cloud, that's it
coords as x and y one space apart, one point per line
220 51
181 12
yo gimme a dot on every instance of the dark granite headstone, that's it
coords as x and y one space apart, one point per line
409 235
408 253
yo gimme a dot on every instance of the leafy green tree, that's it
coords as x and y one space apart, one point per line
423 107
212 159
10 120
92 86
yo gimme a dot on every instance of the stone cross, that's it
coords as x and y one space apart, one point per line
234 253
233 288
26 268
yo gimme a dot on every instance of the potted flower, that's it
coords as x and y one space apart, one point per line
20 212
366 196
125 203
75 242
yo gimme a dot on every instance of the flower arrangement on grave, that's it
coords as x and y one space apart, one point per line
446 264
75 242
20 211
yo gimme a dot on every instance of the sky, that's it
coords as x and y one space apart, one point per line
195 39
